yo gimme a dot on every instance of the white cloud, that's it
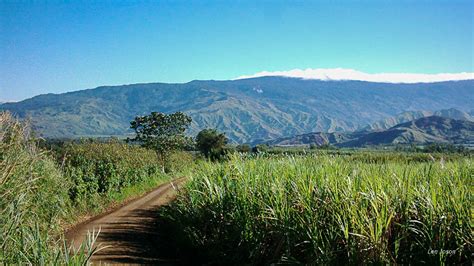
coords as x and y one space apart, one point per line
351 74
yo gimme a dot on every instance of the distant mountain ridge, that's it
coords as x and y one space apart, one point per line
247 110
412 115
431 129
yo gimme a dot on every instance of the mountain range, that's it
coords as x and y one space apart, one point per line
431 129
413 115
247 110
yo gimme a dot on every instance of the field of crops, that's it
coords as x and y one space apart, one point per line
325 208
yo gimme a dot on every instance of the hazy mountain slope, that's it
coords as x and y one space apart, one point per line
395 120
412 115
247 110
445 128
454 114
422 130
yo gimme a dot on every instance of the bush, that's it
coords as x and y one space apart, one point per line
244 148
179 162
211 143
98 168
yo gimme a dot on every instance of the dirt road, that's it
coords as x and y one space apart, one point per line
129 231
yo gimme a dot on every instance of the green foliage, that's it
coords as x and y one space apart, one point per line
162 132
99 168
33 200
444 148
211 143
39 192
366 155
244 148
179 163
260 148
327 146
327 209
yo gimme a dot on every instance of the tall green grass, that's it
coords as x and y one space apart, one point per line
327 209
41 191
102 173
32 201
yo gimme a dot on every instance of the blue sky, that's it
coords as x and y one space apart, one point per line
58 47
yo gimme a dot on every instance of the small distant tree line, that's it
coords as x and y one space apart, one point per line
165 133
434 148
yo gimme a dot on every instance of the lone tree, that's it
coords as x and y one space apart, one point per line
162 132
211 143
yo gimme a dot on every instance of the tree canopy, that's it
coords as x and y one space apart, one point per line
162 132
211 143
243 148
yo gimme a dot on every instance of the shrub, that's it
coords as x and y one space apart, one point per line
179 162
211 143
244 148
97 168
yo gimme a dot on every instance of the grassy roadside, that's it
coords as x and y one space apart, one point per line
106 175
33 201
137 190
44 191
115 200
